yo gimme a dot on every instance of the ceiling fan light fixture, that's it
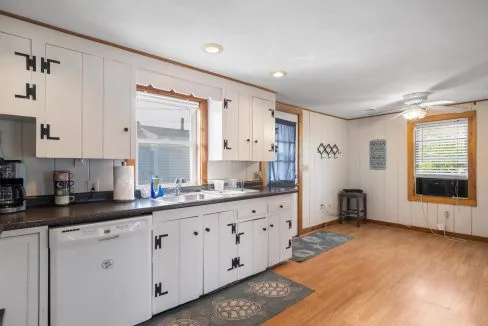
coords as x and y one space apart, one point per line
415 98
213 48
436 103
414 113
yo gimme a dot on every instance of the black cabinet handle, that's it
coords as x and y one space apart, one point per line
207 229
289 224
264 229
248 140
271 225
254 211
256 141
289 244
195 233
281 206
126 129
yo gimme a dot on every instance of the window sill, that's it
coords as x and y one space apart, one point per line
444 200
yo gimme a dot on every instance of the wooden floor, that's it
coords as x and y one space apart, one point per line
389 276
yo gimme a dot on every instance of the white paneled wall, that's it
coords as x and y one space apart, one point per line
18 143
387 190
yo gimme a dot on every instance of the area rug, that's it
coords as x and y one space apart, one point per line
249 302
315 243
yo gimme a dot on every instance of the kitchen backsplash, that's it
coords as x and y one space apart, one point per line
17 140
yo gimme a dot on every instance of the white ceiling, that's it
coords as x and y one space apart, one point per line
342 57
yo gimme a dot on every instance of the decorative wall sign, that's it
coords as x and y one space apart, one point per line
329 150
377 154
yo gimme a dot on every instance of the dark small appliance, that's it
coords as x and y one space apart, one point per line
12 191
457 188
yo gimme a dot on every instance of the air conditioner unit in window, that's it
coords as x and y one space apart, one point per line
439 187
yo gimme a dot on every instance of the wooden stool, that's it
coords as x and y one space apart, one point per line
357 213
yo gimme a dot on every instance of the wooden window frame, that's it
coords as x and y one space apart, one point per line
203 110
412 196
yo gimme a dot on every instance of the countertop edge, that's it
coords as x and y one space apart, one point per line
127 213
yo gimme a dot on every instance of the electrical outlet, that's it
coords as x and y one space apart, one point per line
79 162
441 227
93 185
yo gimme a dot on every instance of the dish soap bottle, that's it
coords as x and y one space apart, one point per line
156 189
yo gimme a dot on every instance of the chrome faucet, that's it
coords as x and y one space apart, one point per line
178 186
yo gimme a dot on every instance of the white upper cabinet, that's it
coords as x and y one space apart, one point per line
117 110
60 130
92 109
245 128
16 76
242 128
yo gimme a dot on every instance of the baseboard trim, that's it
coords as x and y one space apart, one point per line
426 230
318 227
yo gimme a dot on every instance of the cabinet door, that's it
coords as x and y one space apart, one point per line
117 110
231 126
257 129
14 76
191 259
245 128
245 249
63 104
210 253
92 110
227 248
166 253
274 239
269 137
19 272
260 245
285 236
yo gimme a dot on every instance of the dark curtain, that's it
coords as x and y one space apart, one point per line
282 170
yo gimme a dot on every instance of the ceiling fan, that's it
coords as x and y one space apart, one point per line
417 106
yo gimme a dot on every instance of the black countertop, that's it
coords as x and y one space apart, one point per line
103 211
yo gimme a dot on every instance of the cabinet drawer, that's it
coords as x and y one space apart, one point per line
275 206
257 208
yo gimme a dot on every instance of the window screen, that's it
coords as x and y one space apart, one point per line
441 149
166 139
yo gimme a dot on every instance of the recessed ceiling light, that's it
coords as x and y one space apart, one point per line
213 48
279 74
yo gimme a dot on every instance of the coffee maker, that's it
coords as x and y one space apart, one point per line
12 191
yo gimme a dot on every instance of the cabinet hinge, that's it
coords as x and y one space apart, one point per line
289 224
158 241
226 144
226 103
30 92
238 238
233 227
236 263
158 290
272 112
289 244
30 61
46 132
46 65
272 148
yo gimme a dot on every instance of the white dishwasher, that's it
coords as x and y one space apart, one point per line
100 274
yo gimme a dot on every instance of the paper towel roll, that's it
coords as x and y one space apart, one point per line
123 183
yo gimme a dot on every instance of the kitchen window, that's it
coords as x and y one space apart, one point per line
167 139
442 159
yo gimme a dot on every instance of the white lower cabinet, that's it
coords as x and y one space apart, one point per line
199 250
244 239
23 275
285 236
166 257
227 248
260 245
210 252
274 239
191 259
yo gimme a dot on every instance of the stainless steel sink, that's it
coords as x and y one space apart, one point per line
183 198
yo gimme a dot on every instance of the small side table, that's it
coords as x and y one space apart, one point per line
361 210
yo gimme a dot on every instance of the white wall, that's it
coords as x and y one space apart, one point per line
387 190
322 178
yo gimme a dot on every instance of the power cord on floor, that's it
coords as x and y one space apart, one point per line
444 235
